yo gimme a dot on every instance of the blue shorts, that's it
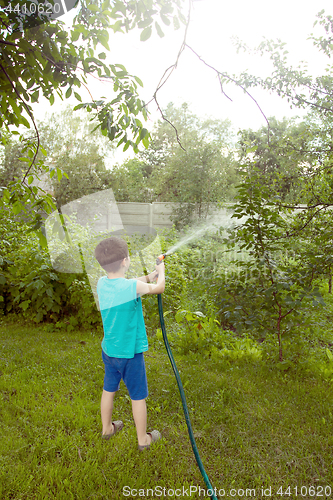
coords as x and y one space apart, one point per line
132 371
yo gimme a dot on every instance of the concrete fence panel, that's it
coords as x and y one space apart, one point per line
155 215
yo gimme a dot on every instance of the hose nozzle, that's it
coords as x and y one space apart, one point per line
160 258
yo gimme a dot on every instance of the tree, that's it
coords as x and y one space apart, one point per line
195 179
48 59
10 165
271 290
282 155
315 94
288 251
130 182
194 166
301 89
189 162
71 149
277 274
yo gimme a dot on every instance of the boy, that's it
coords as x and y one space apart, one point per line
125 339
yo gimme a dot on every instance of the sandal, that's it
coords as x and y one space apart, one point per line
155 436
117 426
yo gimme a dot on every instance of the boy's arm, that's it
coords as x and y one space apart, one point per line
146 289
150 277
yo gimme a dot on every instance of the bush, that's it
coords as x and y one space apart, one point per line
31 289
202 334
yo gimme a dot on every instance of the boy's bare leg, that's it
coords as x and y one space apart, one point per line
139 409
106 411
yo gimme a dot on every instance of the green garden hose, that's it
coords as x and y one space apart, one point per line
182 395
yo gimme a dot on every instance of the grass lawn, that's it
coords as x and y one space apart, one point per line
255 428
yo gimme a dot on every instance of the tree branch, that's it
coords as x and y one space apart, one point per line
224 75
170 70
298 230
285 93
31 117
8 43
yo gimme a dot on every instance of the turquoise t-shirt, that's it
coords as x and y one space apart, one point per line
124 327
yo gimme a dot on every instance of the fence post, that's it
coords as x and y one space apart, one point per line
151 213
109 218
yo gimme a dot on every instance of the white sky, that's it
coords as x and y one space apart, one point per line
213 23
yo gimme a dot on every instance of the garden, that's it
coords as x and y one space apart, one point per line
258 391
248 303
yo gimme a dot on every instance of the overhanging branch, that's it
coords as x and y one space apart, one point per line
31 117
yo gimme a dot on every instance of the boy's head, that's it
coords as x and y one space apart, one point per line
110 253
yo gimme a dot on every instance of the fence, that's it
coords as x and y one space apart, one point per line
103 214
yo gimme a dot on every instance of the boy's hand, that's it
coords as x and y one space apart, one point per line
153 276
160 267
142 287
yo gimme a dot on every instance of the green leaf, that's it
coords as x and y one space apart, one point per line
30 179
145 141
24 121
251 150
137 79
75 35
39 317
92 7
79 106
117 26
145 22
17 208
78 97
329 354
165 19
42 239
92 19
146 34
34 97
179 316
143 133
103 41
176 24
24 305
68 92
159 30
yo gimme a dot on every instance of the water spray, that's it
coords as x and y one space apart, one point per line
211 490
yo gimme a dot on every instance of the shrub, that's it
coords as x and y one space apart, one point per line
31 288
202 334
